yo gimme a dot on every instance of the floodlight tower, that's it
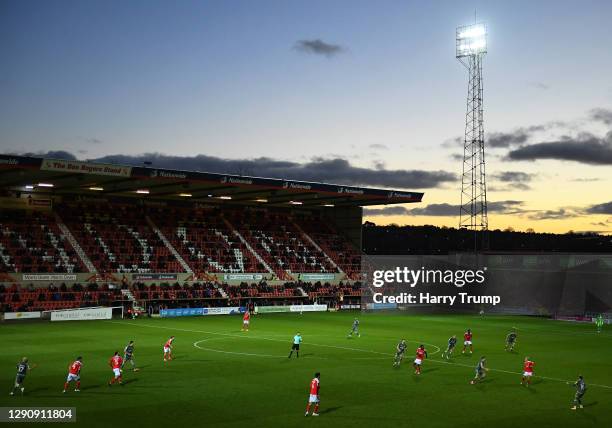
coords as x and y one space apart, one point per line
471 46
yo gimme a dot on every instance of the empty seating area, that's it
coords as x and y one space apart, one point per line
118 238
52 297
261 290
133 238
31 241
15 298
342 252
205 241
196 291
318 289
279 242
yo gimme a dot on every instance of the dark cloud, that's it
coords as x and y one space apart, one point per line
387 211
513 180
513 138
55 154
505 207
558 214
585 148
501 140
513 176
605 208
441 210
334 170
444 209
379 164
601 115
509 187
318 47
453 142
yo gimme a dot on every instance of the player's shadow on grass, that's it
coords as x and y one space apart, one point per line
126 382
431 369
114 391
481 384
594 403
330 410
88 387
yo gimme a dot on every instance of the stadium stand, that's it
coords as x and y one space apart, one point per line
134 234
117 239
15 298
205 241
344 254
279 242
32 242
261 290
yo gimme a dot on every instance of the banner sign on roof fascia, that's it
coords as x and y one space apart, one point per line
272 182
85 167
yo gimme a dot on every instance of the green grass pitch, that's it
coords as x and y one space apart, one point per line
223 377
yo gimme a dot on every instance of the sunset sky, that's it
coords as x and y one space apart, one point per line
351 92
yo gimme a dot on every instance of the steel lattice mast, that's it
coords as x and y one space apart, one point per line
471 48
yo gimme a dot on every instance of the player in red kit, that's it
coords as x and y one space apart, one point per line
467 341
246 319
115 362
315 385
168 349
74 374
421 354
527 371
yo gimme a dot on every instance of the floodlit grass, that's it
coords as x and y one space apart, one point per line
224 377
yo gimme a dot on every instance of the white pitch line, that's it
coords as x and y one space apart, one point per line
518 373
270 339
350 349
197 345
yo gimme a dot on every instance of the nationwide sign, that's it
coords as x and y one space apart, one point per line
350 191
300 186
85 167
167 174
236 180
154 277
400 195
